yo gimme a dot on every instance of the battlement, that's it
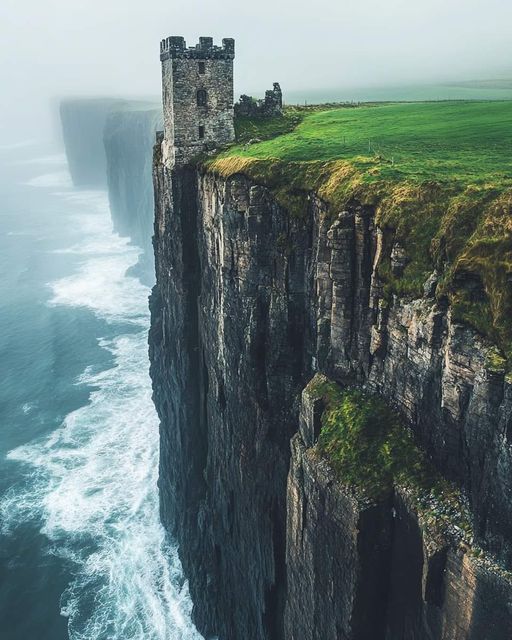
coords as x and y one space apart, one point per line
175 47
197 91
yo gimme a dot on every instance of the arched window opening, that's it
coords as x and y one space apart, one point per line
201 131
201 98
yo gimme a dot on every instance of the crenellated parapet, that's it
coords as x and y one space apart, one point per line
175 47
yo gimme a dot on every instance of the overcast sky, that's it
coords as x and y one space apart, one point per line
50 48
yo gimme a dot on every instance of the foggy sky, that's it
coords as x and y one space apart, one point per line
51 48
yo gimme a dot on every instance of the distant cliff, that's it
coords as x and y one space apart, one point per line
109 144
128 138
83 121
251 302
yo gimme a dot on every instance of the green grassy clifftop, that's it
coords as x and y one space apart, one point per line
438 174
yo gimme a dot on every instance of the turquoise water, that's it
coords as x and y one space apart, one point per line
82 551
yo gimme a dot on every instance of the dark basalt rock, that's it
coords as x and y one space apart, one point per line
367 570
271 106
249 303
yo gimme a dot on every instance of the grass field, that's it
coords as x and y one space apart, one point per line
465 141
439 175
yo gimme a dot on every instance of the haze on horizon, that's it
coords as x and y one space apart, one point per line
57 48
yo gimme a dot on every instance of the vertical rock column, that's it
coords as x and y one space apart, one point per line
338 547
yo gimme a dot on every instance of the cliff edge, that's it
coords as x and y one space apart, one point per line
270 275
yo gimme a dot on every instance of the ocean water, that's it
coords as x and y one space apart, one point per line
82 552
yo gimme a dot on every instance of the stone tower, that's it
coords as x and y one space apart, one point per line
197 84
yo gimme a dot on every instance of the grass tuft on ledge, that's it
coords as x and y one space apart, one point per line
372 451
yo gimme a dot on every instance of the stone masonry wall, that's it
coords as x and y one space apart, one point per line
185 71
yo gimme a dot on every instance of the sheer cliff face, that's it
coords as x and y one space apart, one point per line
83 121
128 139
250 303
228 354
109 143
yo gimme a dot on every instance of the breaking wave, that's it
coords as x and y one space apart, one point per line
92 484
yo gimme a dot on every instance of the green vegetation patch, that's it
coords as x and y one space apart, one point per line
466 141
253 130
439 175
372 451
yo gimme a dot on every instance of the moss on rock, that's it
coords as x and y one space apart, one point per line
372 451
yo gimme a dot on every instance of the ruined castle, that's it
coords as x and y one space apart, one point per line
197 88
270 106
197 84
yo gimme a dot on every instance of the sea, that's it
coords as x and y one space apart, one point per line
82 552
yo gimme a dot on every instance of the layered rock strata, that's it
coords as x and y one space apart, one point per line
250 303
380 569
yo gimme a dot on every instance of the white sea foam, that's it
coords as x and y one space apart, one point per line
93 483
101 285
28 407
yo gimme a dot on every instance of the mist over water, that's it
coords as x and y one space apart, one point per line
89 485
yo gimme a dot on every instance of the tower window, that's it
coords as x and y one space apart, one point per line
202 67
201 98
201 131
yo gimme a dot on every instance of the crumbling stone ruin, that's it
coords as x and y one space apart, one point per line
271 105
197 84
